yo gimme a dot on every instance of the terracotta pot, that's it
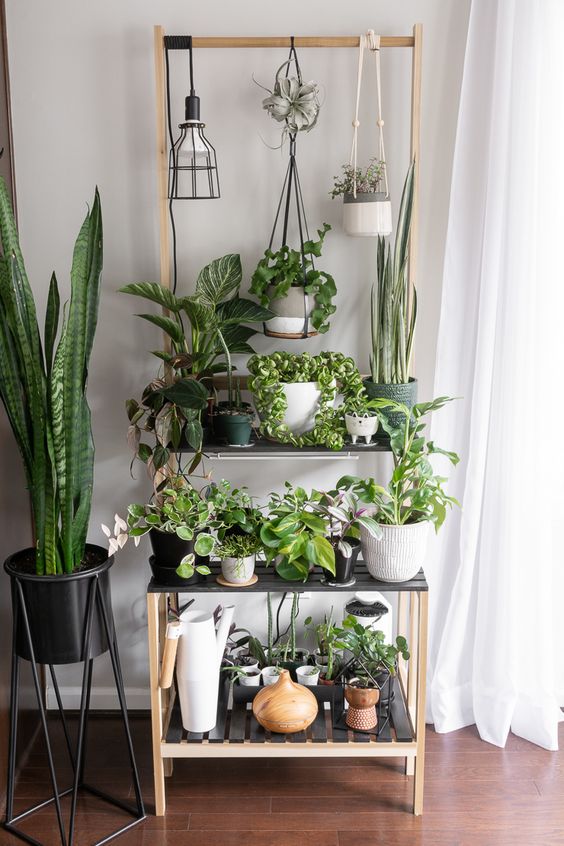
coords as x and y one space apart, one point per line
361 697
285 707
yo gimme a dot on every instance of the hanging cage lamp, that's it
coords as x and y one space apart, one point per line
192 171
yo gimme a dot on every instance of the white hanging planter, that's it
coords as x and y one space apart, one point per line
238 571
400 553
291 312
367 215
361 426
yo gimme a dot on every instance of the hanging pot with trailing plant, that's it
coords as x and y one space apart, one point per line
286 280
367 210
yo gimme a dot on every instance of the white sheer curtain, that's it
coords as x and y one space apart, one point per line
495 572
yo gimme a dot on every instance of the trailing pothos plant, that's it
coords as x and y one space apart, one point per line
414 493
43 388
278 271
333 372
294 537
204 331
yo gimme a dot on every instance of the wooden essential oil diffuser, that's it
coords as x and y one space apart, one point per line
285 707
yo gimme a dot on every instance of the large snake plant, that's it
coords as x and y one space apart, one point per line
43 388
393 311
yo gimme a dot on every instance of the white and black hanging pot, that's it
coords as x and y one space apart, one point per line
367 215
293 315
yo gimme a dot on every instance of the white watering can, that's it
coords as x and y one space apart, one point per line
198 662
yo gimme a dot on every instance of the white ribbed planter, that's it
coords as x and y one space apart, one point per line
237 571
399 555
367 215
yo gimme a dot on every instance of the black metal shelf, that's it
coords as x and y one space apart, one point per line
267 449
269 581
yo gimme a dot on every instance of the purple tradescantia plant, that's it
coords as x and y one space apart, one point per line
346 514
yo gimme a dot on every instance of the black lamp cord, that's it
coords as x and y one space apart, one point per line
171 141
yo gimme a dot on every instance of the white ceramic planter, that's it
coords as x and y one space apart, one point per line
291 312
270 675
307 675
303 404
250 680
367 215
361 426
237 571
399 555
198 661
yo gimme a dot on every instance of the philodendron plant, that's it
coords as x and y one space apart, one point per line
295 537
43 388
414 493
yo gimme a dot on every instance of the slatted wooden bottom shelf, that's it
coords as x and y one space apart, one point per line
238 733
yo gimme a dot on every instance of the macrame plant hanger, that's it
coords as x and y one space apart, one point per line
292 184
368 214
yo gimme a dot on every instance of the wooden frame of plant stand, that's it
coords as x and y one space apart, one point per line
406 739
414 42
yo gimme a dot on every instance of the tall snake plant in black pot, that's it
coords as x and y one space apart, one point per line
393 315
43 379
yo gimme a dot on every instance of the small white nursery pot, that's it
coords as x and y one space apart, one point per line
251 678
307 675
270 675
361 426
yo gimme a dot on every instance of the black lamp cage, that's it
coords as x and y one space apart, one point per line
192 169
291 186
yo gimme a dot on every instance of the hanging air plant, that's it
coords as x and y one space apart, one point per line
292 101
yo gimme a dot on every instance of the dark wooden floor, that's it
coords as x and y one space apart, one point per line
475 795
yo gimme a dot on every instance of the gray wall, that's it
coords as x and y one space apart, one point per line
83 93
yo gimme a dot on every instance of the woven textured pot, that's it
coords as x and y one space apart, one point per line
400 553
285 707
405 392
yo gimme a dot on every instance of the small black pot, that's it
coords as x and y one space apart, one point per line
405 392
56 608
344 567
168 552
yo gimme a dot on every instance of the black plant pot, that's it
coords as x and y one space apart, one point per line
344 567
168 552
57 605
405 393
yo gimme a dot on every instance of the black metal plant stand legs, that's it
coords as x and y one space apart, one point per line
78 756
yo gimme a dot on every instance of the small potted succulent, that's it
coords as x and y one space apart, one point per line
346 517
414 498
237 556
307 675
367 210
300 296
295 537
326 656
175 523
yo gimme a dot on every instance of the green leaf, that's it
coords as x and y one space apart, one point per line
204 544
219 279
184 533
167 324
161 456
239 310
320 551
296 571
144 452
186 567
187 393
51 322
154 292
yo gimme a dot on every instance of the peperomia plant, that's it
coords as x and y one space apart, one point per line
231 509
204 330
414 493
278 271
368 181
294 537
333 372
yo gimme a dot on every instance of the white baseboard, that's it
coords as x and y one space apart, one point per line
102 698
